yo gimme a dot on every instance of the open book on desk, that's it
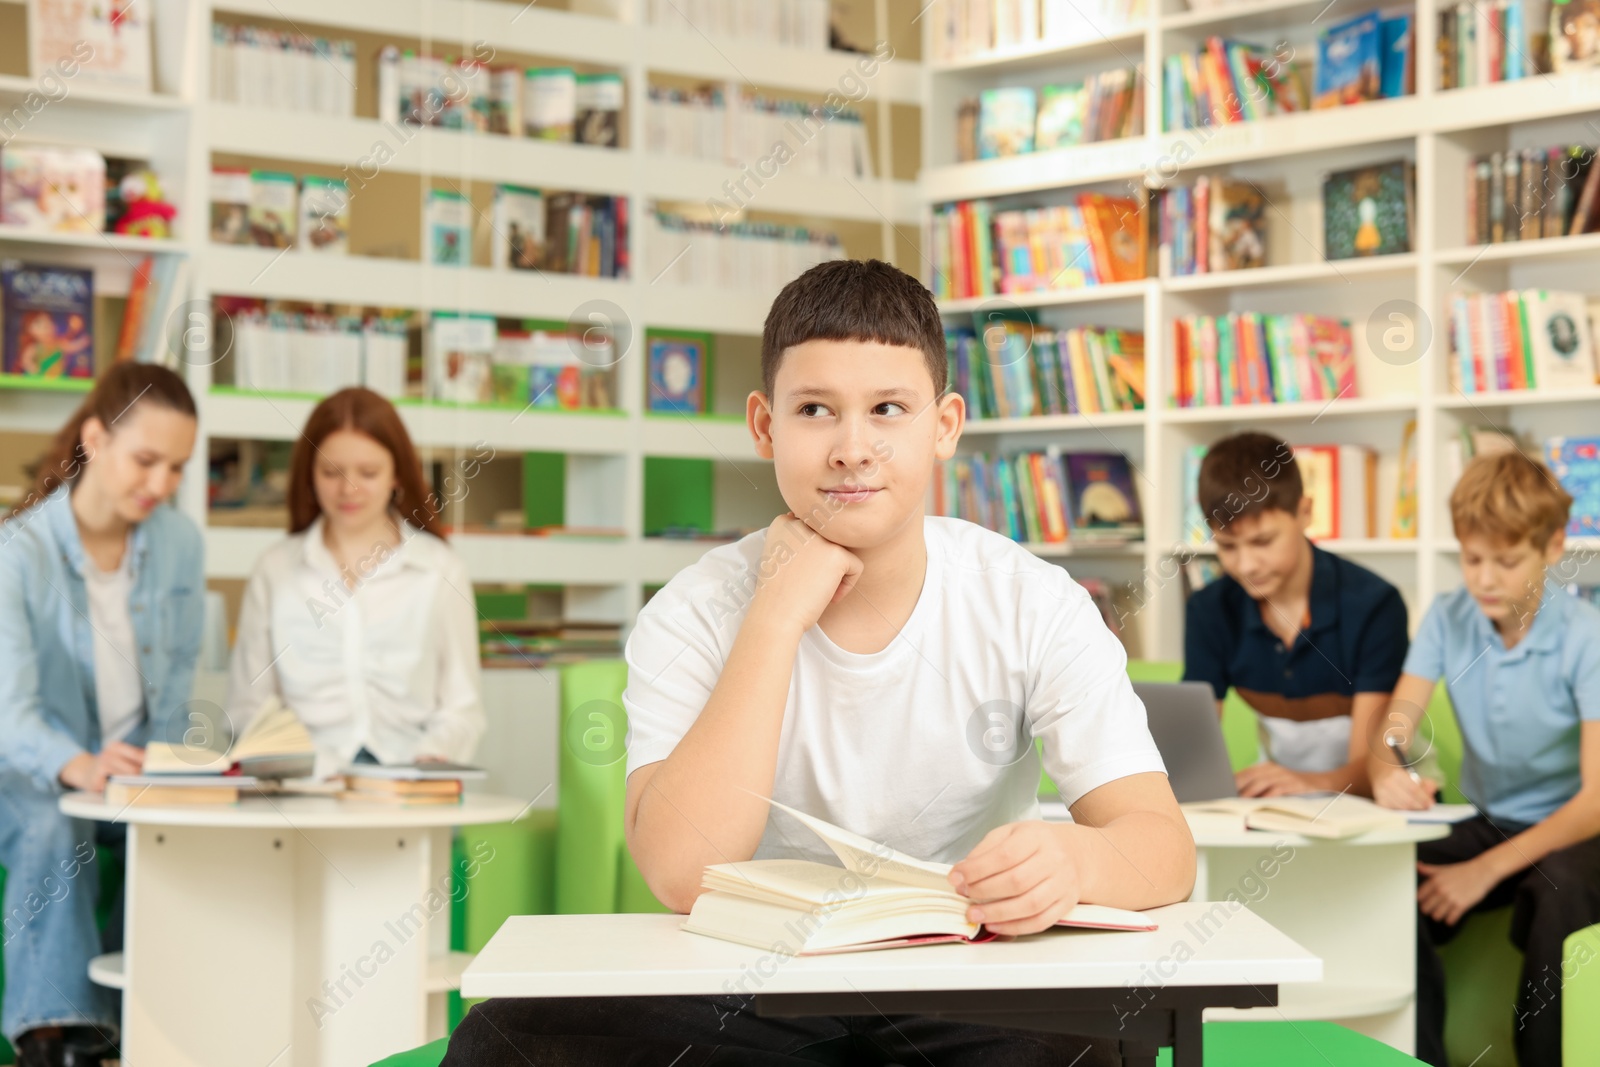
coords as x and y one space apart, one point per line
276 744
1333 816
880 898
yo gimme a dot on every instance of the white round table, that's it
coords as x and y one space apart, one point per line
291 931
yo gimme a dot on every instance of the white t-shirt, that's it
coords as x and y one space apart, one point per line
923 745
118 686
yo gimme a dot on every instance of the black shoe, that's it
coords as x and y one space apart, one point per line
38 1048
84 1046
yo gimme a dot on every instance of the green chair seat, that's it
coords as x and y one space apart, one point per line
1279 1043
429 1055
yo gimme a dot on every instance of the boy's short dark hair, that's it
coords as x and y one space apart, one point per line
855 300
1247 474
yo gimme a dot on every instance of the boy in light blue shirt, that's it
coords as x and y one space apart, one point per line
1521 662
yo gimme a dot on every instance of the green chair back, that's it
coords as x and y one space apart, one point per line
429 1055
1277 1043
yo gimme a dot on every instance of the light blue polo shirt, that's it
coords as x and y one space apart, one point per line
1519 709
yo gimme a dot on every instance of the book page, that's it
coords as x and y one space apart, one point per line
873 860
275 731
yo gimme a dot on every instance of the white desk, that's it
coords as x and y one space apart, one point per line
1072 981
291 931
1352 902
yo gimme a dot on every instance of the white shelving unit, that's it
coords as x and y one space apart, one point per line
1439 131
179 130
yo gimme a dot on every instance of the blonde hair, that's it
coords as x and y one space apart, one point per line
1509 497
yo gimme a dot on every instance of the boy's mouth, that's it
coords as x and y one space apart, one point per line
851 494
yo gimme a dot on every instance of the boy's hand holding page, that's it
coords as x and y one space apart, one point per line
802 573
1021 877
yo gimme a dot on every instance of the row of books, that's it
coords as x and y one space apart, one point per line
274 209
1533 193
1480 45
1217 223
733 126
562 233
1527 339
1017 370
1016 120
968 27
1247 357
733 255
276 350
788 23
1047 497
544 103
1341 482
1364 58
260 67
534 643
975 252
47 319
473 359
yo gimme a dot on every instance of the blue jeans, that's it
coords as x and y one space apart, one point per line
48 925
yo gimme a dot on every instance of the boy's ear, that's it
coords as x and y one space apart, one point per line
758 417
1303 512
1556 548
952 416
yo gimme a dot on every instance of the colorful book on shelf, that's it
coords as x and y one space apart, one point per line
1574 43
1341 483
1227 81
1348 62
324 215
1403 522
1560 183
1006 121
231 195
1103 502
1367 211
518 231
460 357
1397 71
107 44
47 319
1062 109
274 209
679 371
1116 230
1575 461
447 224
1195 529
51 188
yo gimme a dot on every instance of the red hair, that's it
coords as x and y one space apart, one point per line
366 413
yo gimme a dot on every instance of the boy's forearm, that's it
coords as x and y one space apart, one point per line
1576 820
1143 859
1352 777
696 810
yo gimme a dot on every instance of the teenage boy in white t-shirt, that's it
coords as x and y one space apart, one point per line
883 670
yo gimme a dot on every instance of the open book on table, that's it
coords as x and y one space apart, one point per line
1327 815
880 898
276 744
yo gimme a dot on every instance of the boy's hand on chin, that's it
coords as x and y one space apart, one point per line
802 572
1022 877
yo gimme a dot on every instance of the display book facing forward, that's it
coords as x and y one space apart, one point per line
880 898
275 745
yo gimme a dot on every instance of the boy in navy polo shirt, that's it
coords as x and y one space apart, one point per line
1313 643
1521 661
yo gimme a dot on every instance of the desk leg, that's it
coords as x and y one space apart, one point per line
368 907
208 948
1188 1038
1138 1054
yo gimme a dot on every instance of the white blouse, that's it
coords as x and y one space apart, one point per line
392 666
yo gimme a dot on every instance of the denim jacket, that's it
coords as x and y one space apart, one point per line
48 709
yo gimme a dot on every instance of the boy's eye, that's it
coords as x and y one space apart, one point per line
809 410
898 408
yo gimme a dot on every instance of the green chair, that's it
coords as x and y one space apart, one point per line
429 1055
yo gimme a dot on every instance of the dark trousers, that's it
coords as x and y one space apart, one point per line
725 1030
1558 896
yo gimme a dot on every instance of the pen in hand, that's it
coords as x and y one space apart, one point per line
1399 751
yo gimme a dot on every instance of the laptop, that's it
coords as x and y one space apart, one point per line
1188 731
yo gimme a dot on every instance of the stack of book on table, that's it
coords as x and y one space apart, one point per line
408 783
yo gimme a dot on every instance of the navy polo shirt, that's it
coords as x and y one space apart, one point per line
1355 643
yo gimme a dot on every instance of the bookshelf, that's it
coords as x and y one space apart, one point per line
1439 131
